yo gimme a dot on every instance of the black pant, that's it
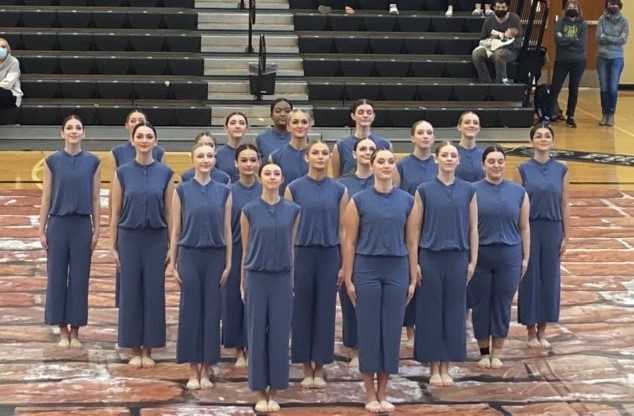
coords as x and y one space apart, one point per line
7 100
574 71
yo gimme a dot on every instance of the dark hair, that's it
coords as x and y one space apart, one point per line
203 134
617 2
491 149
263 165
412 130
577 4
376 151
465 113
313 143
443 144
358 103
247 146
135 110
198 145
281 100
236 113
146 124
541 126
356 143
72 117
507 2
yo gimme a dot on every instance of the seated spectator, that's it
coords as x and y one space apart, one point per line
477 8
10 92
326 6
503 25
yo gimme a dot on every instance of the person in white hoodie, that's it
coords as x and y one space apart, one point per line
10 91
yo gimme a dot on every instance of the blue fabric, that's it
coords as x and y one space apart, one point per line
470 167
292 162
72 179
491 290
142 254
348 319
240 196
202 214
355 184
270 140
320 206
143 195
544 183
609 71
381 285
382 219
217 175
440 307
68 270
125 152
414 171
314 304
199 308
540 291
446 214
269 247
233 315
499 209
269 311
347 163
226 162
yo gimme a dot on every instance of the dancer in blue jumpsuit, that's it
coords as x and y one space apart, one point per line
360 180
414 169
69 229
268 227
546 181
216 174
362 113
503 255
124 153
445 229
278 135
200 252
141 197
236 126
470 168
317 264
244 190
377 277
291 157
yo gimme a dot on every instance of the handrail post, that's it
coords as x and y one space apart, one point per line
251 22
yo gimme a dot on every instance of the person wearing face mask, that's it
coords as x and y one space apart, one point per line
10 91
503 25
571 39
612 33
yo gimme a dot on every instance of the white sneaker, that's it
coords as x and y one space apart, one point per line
449 11
477 12
488 11
393 9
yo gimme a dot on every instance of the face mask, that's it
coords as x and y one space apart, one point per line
3 53
572 13
613 9
501 13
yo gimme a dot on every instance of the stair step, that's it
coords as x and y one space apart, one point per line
230 65
239 90
258 114
239 20
238 42
234 4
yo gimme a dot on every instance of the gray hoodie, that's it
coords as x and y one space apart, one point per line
10 77
612 33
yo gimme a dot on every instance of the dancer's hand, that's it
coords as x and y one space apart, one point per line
339 277
224 277
352 293
564 246
44 241
177 276
470 270
411 289
115 256
524 268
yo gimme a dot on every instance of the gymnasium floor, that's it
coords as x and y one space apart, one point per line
589 371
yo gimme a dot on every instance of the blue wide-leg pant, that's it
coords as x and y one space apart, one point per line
539 291
441 307
381 286
142 255
269 308
492 288
410 312
314 305
200 270
68 269
233 316
349 319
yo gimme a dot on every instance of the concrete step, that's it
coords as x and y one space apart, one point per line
234 4
239 20
238 42
258 114
239 90
239 65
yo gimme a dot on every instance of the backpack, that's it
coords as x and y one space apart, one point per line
543 102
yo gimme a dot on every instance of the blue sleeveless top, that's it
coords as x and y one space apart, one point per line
470 167
240 196
292 163
414 171
499 208
217 175
345 146
544 183
125 152
355 184
72 180
270 140
226 162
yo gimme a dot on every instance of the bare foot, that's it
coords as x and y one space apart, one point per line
496 363
319 382
193 384
148 361
136 361
308 383
446 380
75 343
484 362
63 341
534 343
374 407
354 362
262 406
387 406
544 343
273 406
241 362
435 380
205 383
